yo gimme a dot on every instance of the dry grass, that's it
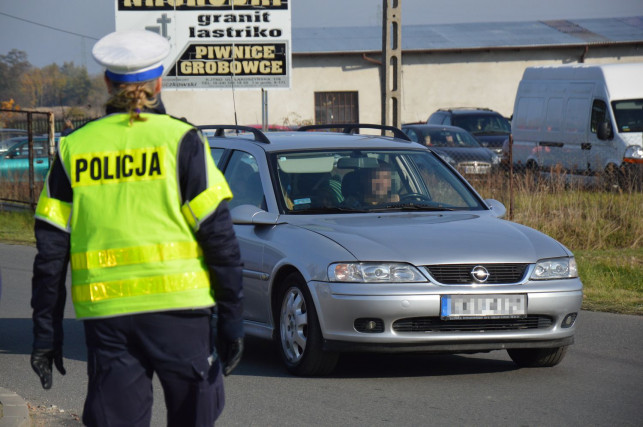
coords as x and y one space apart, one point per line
604 229
581 218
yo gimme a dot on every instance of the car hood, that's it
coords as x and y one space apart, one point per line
432 238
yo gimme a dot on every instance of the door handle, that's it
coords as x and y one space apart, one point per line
586 146
550 144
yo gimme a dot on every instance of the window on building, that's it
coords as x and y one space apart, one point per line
336 107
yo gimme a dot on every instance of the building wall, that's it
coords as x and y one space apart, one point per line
430 80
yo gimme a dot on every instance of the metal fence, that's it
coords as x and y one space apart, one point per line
491 169
23 156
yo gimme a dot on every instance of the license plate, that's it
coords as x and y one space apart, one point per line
483 306
476 169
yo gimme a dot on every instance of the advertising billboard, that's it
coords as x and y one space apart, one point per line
217 44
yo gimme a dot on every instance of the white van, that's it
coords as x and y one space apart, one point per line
584 119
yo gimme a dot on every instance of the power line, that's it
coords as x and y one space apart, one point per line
48 26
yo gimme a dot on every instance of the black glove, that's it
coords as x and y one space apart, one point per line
41 361
230 353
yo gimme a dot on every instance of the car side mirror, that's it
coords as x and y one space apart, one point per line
250 214
604 131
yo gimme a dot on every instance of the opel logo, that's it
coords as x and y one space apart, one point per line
480 274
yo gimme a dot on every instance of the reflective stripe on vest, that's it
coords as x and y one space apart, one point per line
136 255
187 290
53 211
202 205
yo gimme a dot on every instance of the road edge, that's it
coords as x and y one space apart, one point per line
15 412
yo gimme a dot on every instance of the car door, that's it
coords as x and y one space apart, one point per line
243 174
14 165
599 152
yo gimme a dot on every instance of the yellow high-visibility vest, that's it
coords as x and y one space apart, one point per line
133 247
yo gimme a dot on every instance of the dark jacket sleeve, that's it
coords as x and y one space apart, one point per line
217 239
48 291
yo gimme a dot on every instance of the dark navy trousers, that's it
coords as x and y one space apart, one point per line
123 354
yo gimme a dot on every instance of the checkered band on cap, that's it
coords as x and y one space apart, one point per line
132 56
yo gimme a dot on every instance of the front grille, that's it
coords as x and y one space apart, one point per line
435 324
460 274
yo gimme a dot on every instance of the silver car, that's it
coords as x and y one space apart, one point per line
357 242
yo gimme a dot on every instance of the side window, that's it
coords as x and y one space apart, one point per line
244 180
436 118
39 149
599 114
216 155
413 136
20 152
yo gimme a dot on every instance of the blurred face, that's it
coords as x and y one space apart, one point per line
380 183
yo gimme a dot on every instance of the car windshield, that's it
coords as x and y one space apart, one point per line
483 125
311 182
629 115
450 138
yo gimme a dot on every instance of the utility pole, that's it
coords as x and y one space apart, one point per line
391 75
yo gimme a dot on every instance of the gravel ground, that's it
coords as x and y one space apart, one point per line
42 416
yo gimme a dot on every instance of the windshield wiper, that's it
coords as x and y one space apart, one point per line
329 209
414 206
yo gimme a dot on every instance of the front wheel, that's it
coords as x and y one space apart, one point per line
537 357
300 337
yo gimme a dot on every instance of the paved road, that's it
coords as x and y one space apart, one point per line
600 383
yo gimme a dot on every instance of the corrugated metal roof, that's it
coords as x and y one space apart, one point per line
472 35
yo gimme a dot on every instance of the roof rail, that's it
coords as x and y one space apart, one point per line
465 108
220 131
350 128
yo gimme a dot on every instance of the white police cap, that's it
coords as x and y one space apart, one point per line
132 56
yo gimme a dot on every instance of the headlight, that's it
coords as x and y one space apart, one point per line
555 268
633 152
495 160
371 272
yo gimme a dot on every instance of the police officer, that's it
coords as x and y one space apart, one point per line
136 204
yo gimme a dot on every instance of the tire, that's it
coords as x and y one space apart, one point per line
299 337
537 357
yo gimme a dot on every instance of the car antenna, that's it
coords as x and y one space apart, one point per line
234 102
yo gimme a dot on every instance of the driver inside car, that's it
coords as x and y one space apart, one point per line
369 186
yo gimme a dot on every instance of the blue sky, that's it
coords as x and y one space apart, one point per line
58 31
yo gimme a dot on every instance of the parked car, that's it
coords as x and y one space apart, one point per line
455 145
14 163
6 138
432 267
488 126
583 119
